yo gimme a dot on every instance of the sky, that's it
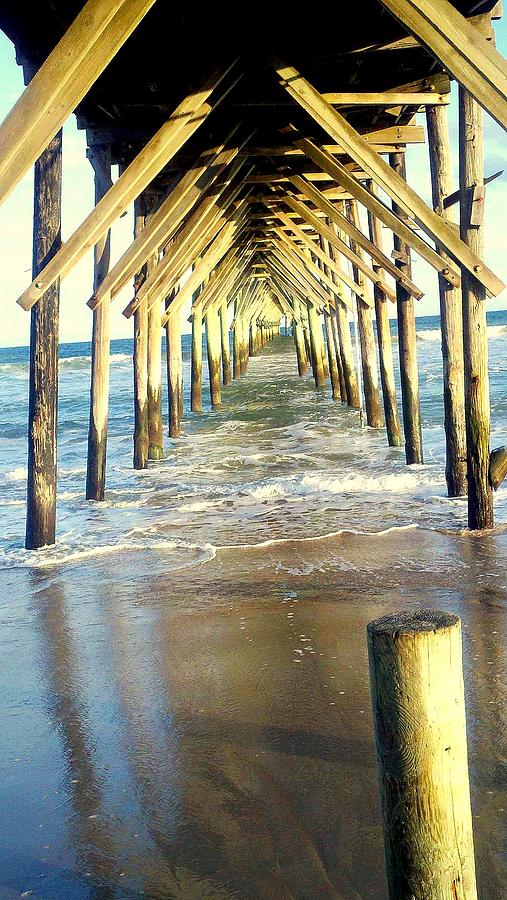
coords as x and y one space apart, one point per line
78 197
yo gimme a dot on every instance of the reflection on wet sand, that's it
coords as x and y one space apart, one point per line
214 732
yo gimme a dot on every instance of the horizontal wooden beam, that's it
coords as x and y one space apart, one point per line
460 47
387 98
87 47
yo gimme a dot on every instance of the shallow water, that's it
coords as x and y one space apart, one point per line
185 681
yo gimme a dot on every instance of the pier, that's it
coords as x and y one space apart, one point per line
265 163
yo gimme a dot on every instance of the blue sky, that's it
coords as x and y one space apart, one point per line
16 221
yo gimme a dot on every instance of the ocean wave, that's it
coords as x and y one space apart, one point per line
434 334
314 539
397 483
20 473
187 555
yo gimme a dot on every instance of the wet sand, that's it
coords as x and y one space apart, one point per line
207 732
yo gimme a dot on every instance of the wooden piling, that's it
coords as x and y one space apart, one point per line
315 330
213 343
419 716
43 384
100 158
345 339
299 339
407 342
155 422
244 346
236 346
196 370
174 373
373 406
141 436
226 347
384 340
331 355
451 319
475 335
339 361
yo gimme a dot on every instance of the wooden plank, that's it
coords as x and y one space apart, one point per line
381 173
387 98
185 120
91 42
464 52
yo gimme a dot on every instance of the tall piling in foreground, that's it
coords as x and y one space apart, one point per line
174 373
420 731
100 158
339 361
141 436
475 334
226 347
384 341
407 345
43 385
196 365
331 355
213 343
451 319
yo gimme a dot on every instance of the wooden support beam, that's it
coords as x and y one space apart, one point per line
100 159
213 344
196 365
387 98
380 172
141 437
451 320
164 221
345 341
475 332
185 120
372 404
66 76
386 216
43 383
155 422
316 345
385 345
407 341
174 372
315 196
460 47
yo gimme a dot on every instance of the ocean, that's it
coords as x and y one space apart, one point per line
185 694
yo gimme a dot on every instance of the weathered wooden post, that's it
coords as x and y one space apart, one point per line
213 343
407 345
316 342
43 385
331 355
339 362
420 731
384 340
196 371
226 347
299 339
236 345
344 337
155 422
372 402
100 158
174 373
244 345
141 437
475 334
451 319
